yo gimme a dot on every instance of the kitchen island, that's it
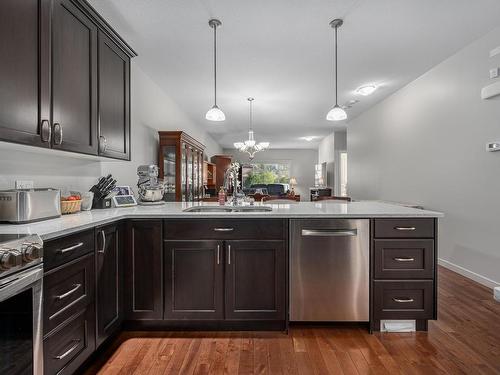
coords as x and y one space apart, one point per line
68 224
164 268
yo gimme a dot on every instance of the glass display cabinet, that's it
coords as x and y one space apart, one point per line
180 162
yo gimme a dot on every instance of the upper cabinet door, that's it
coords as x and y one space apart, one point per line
74 79
114 100
24 71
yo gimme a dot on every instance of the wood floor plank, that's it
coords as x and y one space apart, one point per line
464 340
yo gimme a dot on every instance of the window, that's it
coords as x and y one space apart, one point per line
265 173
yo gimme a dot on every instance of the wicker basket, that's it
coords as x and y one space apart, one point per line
70 207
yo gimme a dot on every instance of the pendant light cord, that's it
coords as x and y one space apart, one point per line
336 79
215 65
250 124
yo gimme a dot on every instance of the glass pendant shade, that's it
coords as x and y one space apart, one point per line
336 114
215 114
238 145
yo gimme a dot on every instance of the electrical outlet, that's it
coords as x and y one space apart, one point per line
24 184
494 73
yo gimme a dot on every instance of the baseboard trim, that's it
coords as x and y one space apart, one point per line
469 274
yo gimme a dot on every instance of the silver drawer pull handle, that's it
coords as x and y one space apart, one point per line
403 300
404 259
223 229
71 248
405 228
69 292
228 254
329 232
218 254
69 351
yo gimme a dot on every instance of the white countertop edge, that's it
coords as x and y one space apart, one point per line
69 224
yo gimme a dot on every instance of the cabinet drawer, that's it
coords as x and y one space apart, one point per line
404 228
65 249
66 290
221 229
68 347
403 299
404 259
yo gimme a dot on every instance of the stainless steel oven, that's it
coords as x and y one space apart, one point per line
21 273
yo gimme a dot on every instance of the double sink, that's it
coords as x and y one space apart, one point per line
229 209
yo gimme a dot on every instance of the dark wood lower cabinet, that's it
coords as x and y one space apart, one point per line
109 281
255 287
194 273
144 270
67 348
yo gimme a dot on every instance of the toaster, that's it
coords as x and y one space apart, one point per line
24 206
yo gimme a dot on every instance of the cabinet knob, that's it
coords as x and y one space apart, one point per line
45 131
58 134
103 144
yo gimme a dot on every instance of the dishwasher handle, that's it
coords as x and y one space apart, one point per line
329 232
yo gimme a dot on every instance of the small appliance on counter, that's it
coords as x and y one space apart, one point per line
101 190
150 189
20 206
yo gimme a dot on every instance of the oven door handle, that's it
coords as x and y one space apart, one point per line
12 285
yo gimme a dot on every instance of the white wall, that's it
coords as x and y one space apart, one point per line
151 110
301 162
326 154
426 144
329 151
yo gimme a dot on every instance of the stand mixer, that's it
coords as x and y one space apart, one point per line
150 189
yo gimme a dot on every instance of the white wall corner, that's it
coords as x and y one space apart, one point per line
483 280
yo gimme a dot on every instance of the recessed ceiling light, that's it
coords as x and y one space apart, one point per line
366 90
308 138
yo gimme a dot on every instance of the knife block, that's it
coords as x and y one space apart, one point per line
100 201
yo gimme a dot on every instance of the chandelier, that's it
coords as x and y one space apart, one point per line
250 146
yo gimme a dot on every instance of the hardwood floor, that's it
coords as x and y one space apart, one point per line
465 340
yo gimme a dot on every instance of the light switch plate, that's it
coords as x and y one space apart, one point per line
24 184
494 73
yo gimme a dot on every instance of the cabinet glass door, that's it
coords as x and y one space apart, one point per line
183 172
189 185
195 175
169 174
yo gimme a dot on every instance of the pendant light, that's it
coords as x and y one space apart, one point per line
215 113
250 146
336 113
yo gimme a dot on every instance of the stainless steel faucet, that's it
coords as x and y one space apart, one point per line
231 180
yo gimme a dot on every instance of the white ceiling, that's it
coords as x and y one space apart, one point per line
280 52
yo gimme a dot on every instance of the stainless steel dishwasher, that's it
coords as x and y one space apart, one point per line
329 270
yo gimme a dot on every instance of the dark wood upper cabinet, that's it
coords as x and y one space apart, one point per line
24 71
65 77
255 286
109 281
114 100
74 79
194 273
144 276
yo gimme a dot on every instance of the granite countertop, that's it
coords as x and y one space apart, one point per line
67 224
